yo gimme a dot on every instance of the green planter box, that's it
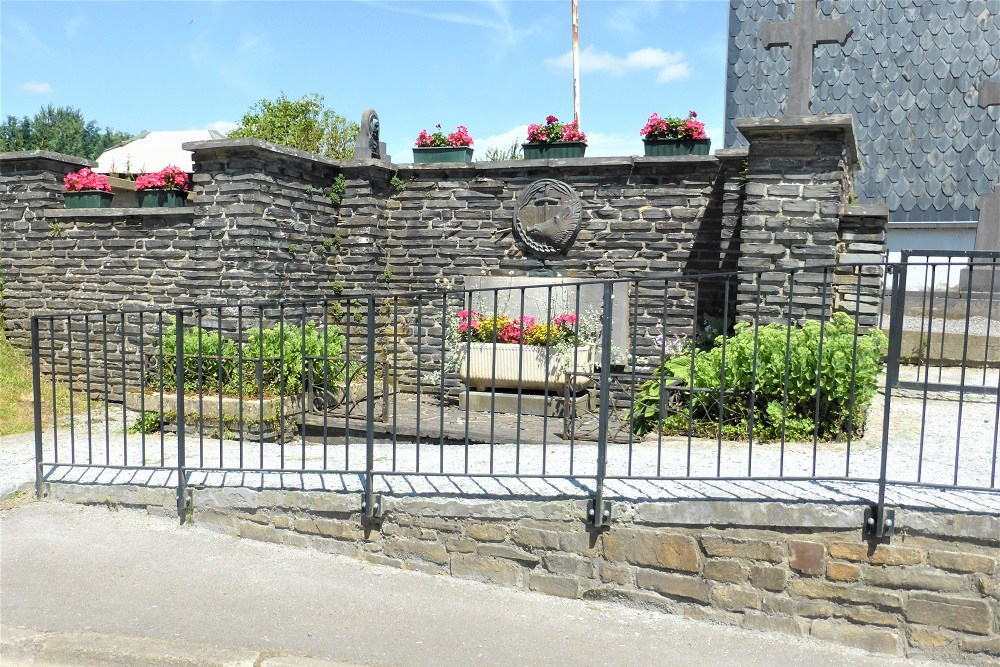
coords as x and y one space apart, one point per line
88 199
154 198
442 154
559 149
675 147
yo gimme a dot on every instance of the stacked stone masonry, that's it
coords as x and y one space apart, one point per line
801 570
261 226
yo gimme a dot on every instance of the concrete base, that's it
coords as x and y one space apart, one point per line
985 280
531 404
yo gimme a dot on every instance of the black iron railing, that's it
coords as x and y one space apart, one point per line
773 375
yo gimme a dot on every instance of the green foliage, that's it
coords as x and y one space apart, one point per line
279 352
59 129
397 184
282 351
337 189
146 422
778 349
498 155
304 124
202 349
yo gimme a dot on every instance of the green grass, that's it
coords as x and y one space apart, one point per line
16 406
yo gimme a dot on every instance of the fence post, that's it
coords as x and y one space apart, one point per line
879 522
181 478
36 388
371 505
599 512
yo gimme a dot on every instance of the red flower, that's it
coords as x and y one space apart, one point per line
551 119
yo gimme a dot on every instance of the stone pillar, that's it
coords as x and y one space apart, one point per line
30 182
799 175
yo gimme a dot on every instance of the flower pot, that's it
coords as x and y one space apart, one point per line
442 154
88 199
509 366
559 149
154 198
675 147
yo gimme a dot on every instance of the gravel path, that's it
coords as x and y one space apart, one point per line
958 436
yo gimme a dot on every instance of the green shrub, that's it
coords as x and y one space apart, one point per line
146 422
201 359
281 351
761 394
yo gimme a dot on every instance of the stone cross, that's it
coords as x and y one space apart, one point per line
368 145
803 31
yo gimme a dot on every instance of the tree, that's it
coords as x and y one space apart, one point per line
304 124
58 129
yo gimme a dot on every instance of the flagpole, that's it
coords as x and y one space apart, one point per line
576 66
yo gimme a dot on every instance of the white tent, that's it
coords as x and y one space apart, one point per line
152 152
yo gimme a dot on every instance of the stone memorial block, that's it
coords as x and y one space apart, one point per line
547 217
988 227
802 32
561 293
368 145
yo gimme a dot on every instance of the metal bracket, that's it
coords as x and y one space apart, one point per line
599 519
880 523
374 511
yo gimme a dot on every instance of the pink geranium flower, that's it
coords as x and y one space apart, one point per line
554 131
85 179
673 128
168 178
460 137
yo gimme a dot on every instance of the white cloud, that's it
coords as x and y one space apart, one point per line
670 66
222 126
716 134
617 144
598 143
629 18
73 26
497 19
500 141
37 87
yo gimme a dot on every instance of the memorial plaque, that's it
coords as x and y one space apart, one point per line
547 217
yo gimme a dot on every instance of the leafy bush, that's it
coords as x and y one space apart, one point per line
201 359
212 361
281 351
760 393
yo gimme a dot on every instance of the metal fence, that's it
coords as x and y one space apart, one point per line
763 376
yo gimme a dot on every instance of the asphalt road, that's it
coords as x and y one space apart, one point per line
88 585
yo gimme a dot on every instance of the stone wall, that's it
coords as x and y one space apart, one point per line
260 225
798 569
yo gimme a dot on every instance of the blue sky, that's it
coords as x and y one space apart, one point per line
492 66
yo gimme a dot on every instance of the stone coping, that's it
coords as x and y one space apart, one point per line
732 153
875 210
768 125
24 156
934 226
184 213
585 163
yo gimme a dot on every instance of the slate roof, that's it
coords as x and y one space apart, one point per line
909 74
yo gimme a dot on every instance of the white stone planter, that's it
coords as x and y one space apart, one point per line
508 365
